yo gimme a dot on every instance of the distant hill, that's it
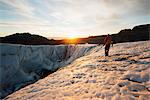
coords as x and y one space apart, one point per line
27 39
138 33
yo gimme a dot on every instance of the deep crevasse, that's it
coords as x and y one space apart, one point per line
21 64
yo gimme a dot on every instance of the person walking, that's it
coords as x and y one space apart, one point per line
107 42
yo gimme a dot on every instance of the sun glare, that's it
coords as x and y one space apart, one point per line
72 39
71 36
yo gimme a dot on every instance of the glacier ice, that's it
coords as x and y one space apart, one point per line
122 75
22 64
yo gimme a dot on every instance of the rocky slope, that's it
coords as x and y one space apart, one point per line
124 75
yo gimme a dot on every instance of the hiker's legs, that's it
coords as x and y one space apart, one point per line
107 49
106 53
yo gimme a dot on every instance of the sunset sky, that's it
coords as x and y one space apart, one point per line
61 18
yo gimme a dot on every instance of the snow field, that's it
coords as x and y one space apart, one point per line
124 75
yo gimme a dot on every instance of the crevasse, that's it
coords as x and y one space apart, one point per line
24 64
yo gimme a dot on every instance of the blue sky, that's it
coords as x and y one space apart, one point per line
59 18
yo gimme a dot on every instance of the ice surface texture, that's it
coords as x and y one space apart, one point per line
22 64
124 75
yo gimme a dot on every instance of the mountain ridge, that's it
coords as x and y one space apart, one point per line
137 33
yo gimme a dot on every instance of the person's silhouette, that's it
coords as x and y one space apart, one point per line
107 42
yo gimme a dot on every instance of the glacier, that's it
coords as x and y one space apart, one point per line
24 64
122 75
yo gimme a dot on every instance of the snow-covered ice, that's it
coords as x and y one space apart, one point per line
24 64
125 74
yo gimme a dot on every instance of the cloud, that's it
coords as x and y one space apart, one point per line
82 16
19 6
127 7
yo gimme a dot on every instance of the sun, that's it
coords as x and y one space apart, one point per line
72 39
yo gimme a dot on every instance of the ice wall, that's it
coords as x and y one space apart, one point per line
22 64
